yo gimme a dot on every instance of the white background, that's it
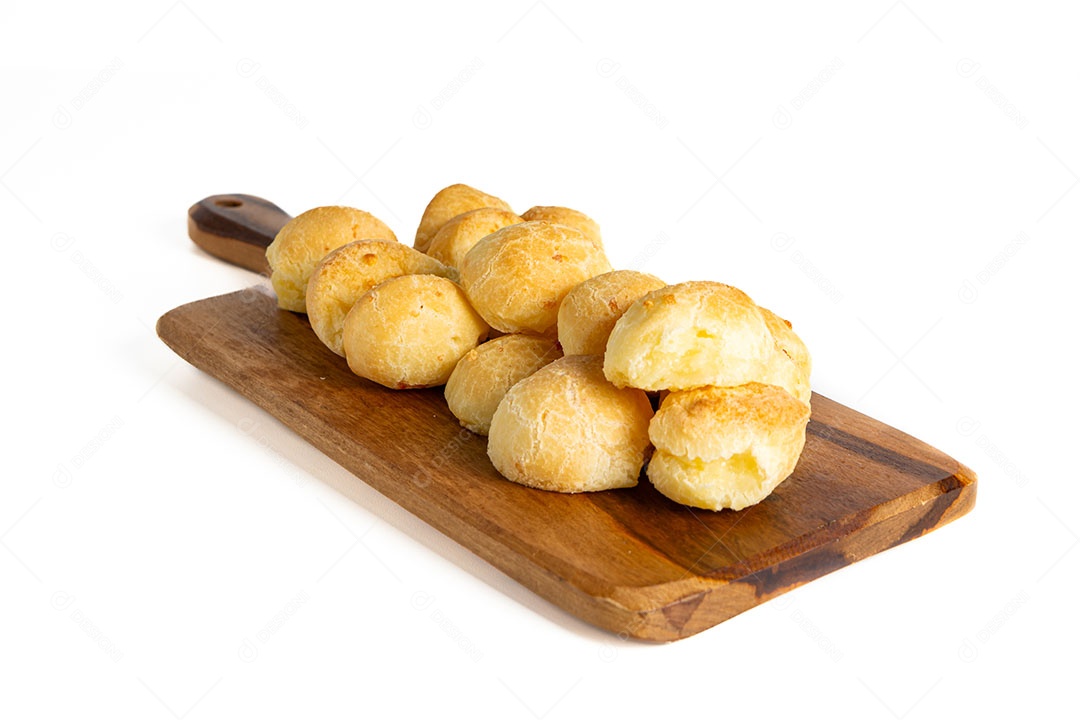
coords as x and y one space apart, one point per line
898 179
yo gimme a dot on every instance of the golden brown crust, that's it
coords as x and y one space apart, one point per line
565 216
517 276
448 203
344 275
307 238
410 331
589 311
791 368
788 341
566 428
488 371
726 447
689 335
716 422
457 236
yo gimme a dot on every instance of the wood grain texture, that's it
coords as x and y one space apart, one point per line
236 228
630 561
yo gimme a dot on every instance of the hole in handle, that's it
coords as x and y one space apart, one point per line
228 203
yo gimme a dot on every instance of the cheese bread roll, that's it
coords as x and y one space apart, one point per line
564 216
307 238
726 447
345 274
448 203
482 377
460 233
517 276
690 335
589 311
566 428
410 331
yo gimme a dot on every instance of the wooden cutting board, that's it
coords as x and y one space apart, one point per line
630 561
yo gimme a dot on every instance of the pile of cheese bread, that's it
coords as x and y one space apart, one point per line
557 358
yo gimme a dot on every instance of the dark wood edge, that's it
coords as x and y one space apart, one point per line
702 609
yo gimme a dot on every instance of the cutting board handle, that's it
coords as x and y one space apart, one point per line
236 228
